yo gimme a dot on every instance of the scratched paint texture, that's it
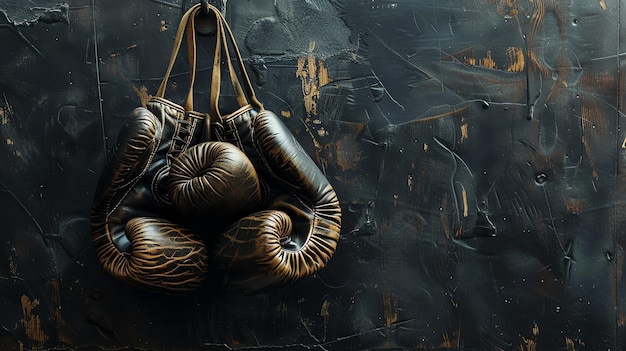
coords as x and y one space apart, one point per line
476 147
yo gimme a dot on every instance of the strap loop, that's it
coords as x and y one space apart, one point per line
185 28
225 41
224 35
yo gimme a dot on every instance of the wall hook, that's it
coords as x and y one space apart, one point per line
205 21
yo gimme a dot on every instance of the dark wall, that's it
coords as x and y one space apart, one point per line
475 146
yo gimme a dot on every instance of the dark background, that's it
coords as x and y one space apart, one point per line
475 146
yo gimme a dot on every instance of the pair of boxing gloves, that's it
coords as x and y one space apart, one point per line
250 205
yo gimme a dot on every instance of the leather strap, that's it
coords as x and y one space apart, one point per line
246 79
191 53
185 28
234 80
223 34
225 40
216 75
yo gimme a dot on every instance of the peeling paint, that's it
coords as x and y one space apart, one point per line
574 206
313 75
23 13
535 329
530 343
32 323
517 60
7 110
285 113
571 344
537 64
142 93
465 205
390 304
464 132
61 326
507 7
488 61
348 155
451 341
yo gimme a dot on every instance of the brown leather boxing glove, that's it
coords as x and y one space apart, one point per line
140 237
214 179
295 229
135 236
297 232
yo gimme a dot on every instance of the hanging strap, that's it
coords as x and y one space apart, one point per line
216 74
186 28
223 34
234 80
246 79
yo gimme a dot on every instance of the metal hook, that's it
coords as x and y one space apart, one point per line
206 24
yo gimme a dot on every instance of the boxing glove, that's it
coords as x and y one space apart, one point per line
135 236
142 238
297 231
214 179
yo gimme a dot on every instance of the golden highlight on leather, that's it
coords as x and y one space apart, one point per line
165 255
297 232
179 179
136 238
148 252
214 178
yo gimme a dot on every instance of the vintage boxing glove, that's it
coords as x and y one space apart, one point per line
214 179
135 237
296 229
297 232
139 236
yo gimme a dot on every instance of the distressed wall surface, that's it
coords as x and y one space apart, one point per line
476 147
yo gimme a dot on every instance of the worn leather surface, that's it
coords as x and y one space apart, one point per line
214 179
297 232
135 237
137 234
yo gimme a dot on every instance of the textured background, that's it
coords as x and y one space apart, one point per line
475 146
